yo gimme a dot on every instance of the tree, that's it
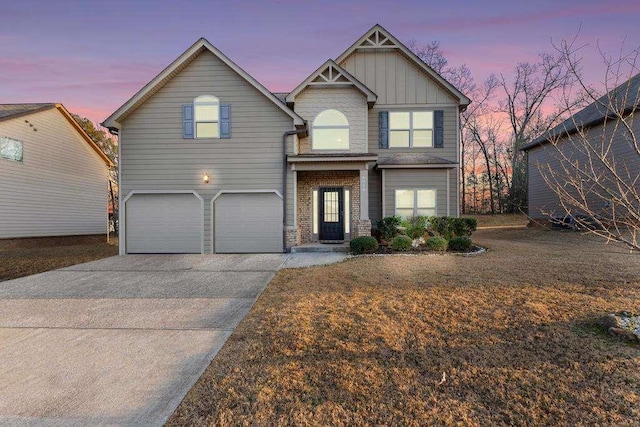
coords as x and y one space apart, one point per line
109 147
595 168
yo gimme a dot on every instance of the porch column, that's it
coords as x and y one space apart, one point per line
364 193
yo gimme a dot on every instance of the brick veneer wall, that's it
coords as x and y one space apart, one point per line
309 181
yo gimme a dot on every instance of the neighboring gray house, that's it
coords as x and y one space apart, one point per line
53 178
598 124
211 161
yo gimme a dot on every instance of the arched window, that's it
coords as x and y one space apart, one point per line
330 131
206 113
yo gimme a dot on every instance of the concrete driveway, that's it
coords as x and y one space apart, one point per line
119 340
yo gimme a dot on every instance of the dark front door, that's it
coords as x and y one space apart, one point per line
331 215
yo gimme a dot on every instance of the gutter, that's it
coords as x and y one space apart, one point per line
284 182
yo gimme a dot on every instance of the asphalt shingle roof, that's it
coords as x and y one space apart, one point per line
414 159
622 98
9 110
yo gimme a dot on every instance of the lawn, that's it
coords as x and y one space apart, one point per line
507 337
23 257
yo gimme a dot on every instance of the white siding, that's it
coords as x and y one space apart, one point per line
349 101
156 157
61 186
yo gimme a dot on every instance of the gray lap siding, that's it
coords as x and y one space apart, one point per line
156 157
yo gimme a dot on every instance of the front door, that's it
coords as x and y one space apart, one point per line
331 215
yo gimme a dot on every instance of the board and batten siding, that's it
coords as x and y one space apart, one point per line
156 157
391 76
348 100
60 188
410 179
542 200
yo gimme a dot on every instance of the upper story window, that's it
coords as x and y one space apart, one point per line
330 131
10 149
411 129
206 114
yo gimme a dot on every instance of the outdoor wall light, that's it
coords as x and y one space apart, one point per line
205 178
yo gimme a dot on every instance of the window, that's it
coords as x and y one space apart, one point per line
330 131
10 149
415 202
411 129
206 113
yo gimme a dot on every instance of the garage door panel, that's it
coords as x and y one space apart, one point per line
248 222
164 223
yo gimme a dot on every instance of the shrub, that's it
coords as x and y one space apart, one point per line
460 243
448 227
402 243
415 226
388 227
437 243
363 245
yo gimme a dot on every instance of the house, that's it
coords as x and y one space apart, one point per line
213 162
53 178
599 125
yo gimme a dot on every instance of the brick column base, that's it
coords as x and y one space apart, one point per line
292 237
363 228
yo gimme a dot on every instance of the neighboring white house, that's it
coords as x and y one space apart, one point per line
53 178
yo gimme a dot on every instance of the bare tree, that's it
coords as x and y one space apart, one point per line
594 162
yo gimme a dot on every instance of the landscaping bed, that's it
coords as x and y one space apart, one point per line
509 338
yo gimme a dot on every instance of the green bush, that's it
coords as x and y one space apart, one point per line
448 227
401 243
388 227
437 243
415 226
460 243
363 245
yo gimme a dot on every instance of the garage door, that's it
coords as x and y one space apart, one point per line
248 222
163 224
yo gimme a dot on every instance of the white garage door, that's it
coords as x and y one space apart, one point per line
248 222
163 224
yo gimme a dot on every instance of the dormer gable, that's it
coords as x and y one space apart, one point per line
331 75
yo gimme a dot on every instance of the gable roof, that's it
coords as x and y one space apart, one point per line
622 99
12 111
331 74
9 111
379 38
112 122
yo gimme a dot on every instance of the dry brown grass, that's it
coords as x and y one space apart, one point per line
367 341
23 257
501 220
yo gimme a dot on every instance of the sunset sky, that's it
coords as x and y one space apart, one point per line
92 56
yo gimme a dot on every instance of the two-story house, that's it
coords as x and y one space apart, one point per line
213 162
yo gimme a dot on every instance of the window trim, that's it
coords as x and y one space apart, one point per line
415 200
320 127
195 121
411 129
10 159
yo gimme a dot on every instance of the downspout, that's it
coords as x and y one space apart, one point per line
284 182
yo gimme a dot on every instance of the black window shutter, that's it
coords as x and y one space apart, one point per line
383 120
438 129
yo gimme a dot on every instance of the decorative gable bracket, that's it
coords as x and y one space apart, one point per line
377 39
